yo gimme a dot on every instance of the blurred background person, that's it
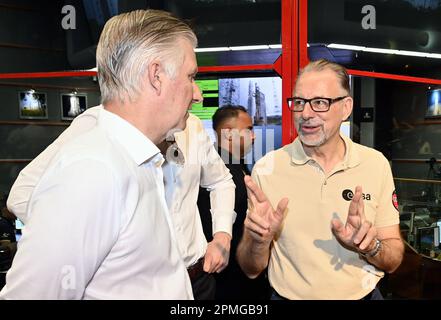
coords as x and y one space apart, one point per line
235 138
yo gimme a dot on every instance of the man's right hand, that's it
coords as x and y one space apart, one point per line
262 221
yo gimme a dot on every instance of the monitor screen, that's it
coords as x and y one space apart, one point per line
18 225
434 103
427 239
210 92
261 96
439 229
18 229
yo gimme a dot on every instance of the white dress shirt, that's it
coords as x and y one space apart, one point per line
97 223
26 181
203 167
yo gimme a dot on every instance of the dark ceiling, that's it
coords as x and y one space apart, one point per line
412 25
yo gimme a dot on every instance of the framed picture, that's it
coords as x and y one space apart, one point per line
32 105
433 104
72 104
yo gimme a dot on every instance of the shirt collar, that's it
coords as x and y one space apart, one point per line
138 146
350 160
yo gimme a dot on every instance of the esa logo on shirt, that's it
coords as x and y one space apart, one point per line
348 195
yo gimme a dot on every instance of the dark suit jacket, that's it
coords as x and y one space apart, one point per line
232 282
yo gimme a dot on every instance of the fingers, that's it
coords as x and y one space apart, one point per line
216 257
356 215
214 263
337 228
368 239
281 207
208 261
354 205
361 204
254 190
221 265
257 224
253 199
362 231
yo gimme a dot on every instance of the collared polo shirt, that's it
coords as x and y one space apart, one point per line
307 262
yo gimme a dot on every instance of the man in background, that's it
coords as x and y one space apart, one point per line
192 162
235 137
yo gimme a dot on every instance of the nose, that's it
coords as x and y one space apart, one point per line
197 95
307 112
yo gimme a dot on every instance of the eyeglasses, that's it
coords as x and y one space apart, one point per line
317 104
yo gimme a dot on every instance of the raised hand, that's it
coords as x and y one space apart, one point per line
357 234
262 221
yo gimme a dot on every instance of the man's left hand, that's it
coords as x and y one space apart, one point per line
357 234
218 253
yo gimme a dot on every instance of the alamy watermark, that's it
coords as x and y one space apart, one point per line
69 21
369 21
370 279
68 280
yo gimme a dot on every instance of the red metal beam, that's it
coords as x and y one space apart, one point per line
57 74
393 77
252 67
303 33
278 66
289 64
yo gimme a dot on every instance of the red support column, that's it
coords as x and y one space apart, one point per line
289 64
303 33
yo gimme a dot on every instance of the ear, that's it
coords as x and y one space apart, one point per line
227 133
347 108
153 76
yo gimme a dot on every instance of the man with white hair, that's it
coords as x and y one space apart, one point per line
200 165
97 224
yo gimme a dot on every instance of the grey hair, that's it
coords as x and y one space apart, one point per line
129 42
323 64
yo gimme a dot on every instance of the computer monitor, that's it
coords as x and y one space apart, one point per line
439 228
18 228
433 104
18 225
261 96
427 238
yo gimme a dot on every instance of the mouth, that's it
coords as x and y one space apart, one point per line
309 129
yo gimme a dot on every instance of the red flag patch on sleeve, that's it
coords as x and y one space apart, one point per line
395 199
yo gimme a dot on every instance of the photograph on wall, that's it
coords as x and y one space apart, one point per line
72 105
434 104
32 104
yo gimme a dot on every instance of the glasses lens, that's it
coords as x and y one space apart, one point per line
320 104
298 104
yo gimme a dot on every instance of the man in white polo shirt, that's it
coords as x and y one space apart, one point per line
336 226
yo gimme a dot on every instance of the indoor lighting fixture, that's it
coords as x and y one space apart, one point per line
385 51
215 49
257 47
239 48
